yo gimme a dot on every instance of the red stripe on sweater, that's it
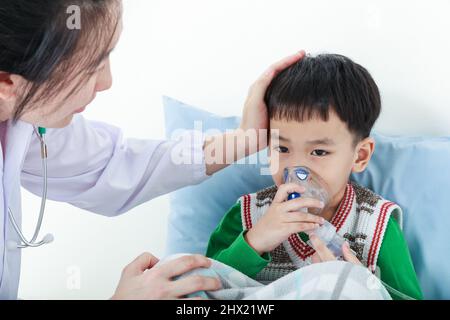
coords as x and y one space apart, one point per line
247 215
347 210
343 206
377 233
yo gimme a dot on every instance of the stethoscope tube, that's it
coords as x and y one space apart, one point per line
48 238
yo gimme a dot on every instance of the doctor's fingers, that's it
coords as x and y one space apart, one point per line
191 284
182 265
140 264
259 87
285 190
277 67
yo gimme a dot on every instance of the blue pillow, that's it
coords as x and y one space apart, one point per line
196 211
412 171
415 173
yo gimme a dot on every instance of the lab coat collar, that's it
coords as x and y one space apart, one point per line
18 138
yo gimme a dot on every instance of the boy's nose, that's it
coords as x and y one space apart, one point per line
298 162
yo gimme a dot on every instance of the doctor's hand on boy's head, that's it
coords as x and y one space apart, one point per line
142 280
251 136
255 114
323 254
282 219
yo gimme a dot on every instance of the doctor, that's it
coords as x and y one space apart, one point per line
48 75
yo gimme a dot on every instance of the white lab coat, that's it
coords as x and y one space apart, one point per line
91 166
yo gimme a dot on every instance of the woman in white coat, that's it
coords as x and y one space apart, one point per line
49 73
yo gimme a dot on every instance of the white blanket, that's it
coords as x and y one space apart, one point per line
336 280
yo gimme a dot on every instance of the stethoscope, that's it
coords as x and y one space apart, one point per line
24 243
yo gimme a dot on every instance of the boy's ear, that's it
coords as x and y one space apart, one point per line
364 151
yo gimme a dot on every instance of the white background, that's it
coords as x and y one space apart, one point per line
207 53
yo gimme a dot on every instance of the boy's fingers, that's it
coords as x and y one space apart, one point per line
348 255
315 258
302 217
285 190
324 253
301 203
301 227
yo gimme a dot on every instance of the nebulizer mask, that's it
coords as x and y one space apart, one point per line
315 189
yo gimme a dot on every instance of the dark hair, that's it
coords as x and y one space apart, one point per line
314 85
36 43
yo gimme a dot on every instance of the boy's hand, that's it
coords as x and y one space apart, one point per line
324 254
282 219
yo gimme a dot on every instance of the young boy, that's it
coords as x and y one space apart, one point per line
322 110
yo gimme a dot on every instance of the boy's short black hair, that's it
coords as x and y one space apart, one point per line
312 86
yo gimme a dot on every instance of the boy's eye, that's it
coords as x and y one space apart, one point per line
319 153
281 149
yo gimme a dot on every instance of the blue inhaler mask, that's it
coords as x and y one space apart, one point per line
315 189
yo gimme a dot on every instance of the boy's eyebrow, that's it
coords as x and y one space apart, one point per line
275 135
325 141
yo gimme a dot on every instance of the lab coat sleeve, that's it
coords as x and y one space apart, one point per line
91 166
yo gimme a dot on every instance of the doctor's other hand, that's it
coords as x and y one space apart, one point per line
142 280
324 254
255 114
